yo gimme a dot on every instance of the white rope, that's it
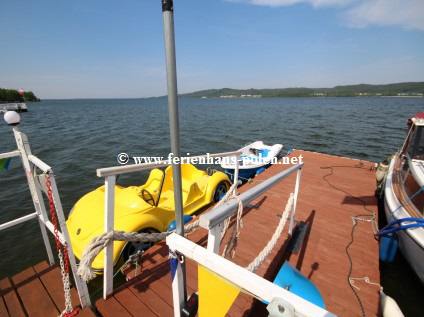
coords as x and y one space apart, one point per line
271 244
100 242
366 279
228 220
232 192
373 221
235 234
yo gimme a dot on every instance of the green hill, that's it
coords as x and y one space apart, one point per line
361 90
12 95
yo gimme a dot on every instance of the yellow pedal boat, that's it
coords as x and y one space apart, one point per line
146 208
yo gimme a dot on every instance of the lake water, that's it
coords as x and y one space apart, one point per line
77 136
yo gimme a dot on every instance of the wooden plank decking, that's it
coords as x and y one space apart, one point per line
36 291
328 199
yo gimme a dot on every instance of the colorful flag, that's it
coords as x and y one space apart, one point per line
216 294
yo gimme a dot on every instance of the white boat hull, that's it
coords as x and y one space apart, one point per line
411 241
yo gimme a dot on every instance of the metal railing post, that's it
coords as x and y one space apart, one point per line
30 163
236 171
174 125
214 238
178 285
40 208
80 284
109 226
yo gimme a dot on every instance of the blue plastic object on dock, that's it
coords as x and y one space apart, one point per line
172 225
295 282
388 247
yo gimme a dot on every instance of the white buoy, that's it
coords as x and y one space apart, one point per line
12 118
381 171
389 307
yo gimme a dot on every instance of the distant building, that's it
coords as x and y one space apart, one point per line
412 94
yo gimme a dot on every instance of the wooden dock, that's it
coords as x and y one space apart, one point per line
332 191
36 292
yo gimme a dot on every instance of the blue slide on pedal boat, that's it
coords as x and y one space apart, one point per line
255 158
292 280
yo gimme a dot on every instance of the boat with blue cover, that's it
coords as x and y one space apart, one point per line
255 158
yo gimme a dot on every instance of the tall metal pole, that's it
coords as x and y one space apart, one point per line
171 72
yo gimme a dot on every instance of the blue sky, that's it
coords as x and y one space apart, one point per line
113 49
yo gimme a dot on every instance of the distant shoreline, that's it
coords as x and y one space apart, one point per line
404 96
184 97
318 97
405 89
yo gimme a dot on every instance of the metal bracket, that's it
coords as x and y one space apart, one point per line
298 236
280 308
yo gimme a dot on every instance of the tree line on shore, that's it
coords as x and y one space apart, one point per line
13 95
361 90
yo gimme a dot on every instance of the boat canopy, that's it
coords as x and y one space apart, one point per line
412 165
415 148
418 119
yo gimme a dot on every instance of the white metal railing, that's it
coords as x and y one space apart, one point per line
246 280
110 174
213 220
13 106
30 162
10 154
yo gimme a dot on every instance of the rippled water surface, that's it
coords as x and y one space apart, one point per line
77 136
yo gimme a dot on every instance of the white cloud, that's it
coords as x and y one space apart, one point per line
406 13
280 3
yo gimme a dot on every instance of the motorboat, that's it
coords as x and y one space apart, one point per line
402 186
